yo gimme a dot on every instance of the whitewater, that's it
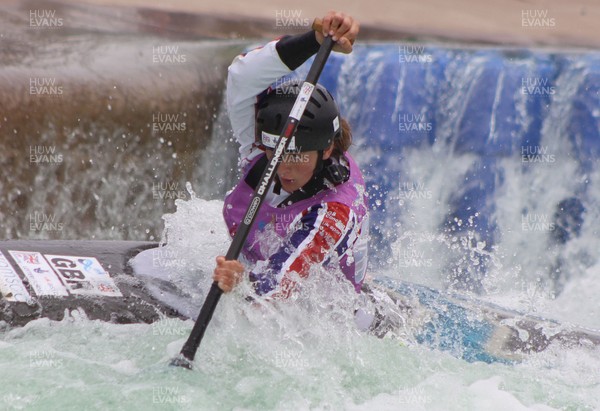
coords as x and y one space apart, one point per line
306 355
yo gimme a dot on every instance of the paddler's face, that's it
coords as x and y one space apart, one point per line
296 169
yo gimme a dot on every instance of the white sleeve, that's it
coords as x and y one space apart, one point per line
248 76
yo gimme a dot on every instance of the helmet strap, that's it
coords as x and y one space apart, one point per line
319 166
277 185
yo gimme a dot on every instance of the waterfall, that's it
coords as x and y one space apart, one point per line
481 163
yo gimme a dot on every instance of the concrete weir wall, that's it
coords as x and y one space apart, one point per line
104 115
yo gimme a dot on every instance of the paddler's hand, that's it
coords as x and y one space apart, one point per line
342 28
228 273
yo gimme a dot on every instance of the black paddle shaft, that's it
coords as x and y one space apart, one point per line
186 356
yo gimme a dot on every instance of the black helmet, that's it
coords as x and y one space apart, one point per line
319 124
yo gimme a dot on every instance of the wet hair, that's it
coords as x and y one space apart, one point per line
342 143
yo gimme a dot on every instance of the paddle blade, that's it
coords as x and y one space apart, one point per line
181 361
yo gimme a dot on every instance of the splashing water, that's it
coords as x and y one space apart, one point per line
307 354
304 354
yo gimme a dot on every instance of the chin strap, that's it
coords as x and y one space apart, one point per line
277 186
334 172
328 170
319 166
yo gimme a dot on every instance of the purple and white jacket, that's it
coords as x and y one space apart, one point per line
329 228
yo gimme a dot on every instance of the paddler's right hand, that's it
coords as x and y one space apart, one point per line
342 27
228 273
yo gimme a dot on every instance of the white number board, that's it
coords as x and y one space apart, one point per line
83 275
42 278
11 285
